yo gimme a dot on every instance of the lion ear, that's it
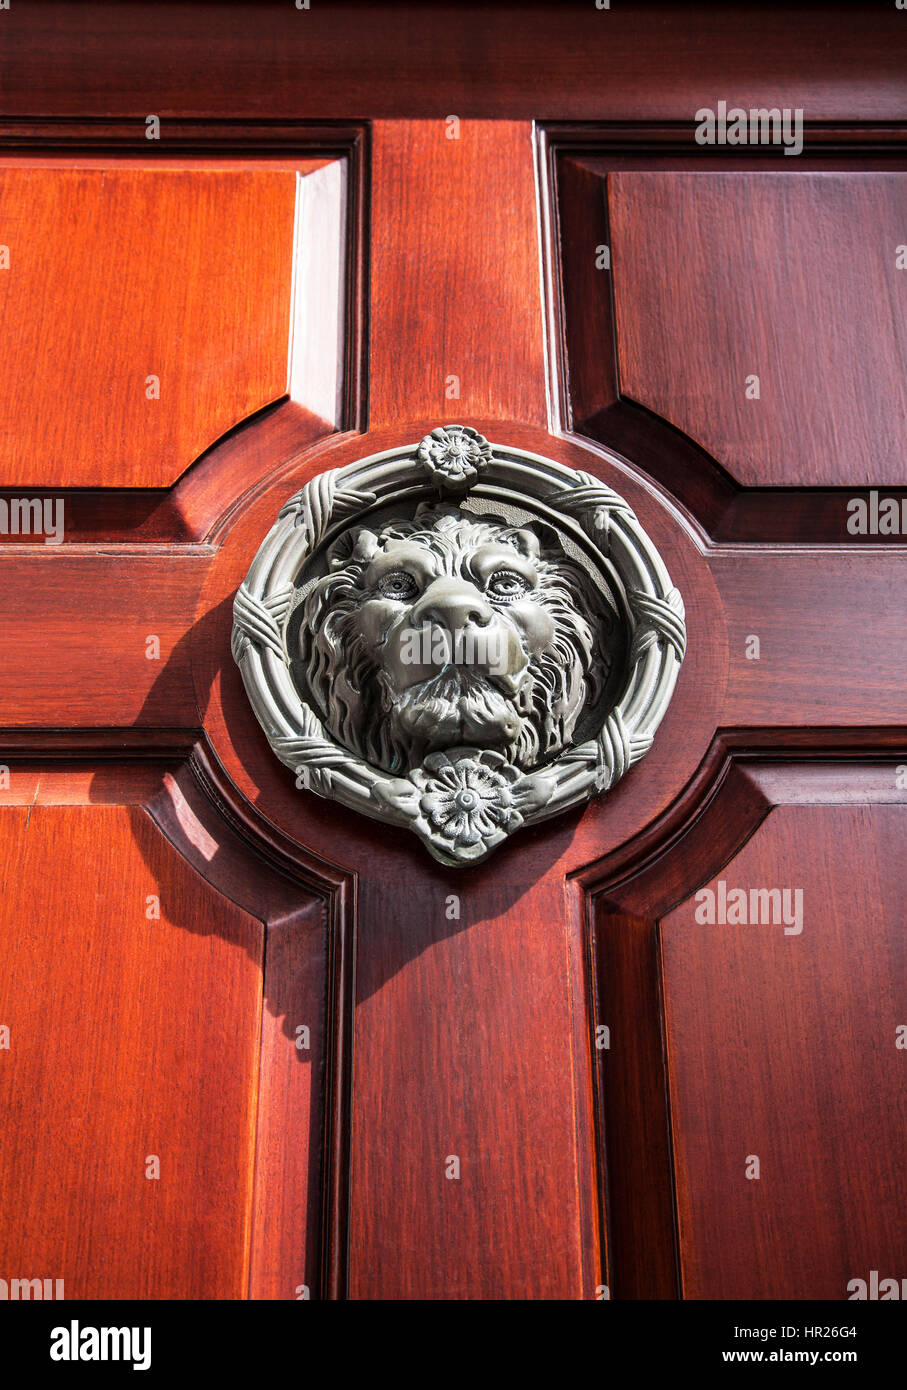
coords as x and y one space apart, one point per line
428 513
530 539
358 544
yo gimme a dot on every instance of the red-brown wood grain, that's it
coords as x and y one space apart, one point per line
383 60
832 637
295 1241
472 1159
77 629
499 1000
455 279
632 1099
130 1037
783 1047
579 159
832 403
830 830
117 276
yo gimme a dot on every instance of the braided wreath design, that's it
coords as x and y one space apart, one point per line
464 802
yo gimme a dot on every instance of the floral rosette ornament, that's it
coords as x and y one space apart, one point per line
468 800
453 456
462 803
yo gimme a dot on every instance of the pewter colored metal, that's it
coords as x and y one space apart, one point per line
459 638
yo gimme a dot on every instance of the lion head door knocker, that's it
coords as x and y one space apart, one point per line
458 637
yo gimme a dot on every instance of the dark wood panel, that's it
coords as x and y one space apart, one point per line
577 160
793 516
783 1046
634 1117
633 1104
455 278
634 1092
720 277
130 1036
571 60
833 643
583 333
287 1252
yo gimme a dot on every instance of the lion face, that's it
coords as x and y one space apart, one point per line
451 630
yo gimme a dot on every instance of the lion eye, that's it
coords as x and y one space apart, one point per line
398 585
505 586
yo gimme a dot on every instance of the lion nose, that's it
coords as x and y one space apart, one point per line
452 605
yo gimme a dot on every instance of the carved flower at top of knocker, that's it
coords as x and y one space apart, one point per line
453 456
458 637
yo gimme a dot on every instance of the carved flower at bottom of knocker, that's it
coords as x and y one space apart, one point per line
467 798
464 802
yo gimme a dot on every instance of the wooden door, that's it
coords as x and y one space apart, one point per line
255 1046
